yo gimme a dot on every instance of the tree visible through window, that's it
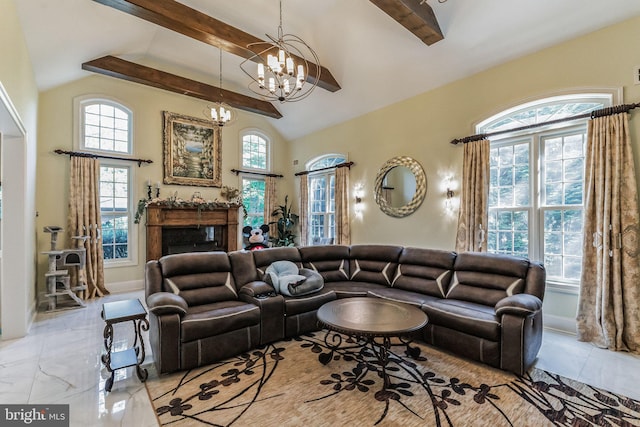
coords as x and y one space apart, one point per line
253 199
536 194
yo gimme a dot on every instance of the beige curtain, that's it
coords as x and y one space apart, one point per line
343 233
304 210
270 203
84 219
473 215
609 309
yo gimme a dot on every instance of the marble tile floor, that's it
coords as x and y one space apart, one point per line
59 362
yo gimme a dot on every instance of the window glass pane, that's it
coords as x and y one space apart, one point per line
254 152
115 207
253 191
106 128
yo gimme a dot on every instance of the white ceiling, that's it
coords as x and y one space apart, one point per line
375 60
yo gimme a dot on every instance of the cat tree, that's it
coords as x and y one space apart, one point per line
58 278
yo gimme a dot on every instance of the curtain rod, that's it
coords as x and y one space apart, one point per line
100 156
608 111
339 165
239 171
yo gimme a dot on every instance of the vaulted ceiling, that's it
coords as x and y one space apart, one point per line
373 59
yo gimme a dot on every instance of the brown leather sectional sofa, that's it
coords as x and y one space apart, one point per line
206 306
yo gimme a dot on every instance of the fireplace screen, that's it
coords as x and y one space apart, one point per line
177 240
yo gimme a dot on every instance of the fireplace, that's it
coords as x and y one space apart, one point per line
173 230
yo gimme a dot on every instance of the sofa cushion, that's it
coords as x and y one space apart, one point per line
400 295
352 289
199 277
217 318
425 271
487 278
464 316
332 262
304 304
374 263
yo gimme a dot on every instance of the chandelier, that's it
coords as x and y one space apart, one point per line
220 113
283 67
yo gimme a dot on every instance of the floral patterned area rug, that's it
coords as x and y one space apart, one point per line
332 380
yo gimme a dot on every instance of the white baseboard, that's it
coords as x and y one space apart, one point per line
120 287
559 323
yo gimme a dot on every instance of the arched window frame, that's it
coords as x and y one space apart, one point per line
253 186
264 137
537 205
321 209
114 221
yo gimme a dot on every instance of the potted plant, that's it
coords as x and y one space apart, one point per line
285 225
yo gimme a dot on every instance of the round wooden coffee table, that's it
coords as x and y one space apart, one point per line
370 318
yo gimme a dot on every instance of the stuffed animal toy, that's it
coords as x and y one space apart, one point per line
257 238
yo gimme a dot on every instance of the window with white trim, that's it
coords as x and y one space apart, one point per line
322 203
536 195
255 151
106 127
254 156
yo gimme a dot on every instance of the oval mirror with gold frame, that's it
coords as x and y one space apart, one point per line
394 179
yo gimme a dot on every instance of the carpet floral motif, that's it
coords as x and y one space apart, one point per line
306 380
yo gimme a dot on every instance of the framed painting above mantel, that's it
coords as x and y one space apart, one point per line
192 151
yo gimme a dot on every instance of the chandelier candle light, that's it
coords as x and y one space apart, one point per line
283 75
220 113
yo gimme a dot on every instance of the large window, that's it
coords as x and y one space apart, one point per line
322 199
255 156
536 194
106 127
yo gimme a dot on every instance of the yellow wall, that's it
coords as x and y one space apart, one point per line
422 127
16 76
56 131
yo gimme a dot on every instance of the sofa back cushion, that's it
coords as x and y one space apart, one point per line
374 263
263 258
199 277
243 267
332 261
426 271
487 278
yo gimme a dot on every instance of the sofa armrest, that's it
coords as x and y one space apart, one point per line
519 305
255 288
161 303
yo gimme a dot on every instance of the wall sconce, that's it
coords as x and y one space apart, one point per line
358 193
450 193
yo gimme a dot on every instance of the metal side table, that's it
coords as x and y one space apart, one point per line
118 312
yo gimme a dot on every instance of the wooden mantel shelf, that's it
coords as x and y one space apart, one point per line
161 216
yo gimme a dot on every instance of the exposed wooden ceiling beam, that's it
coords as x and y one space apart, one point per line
415 15
125 70
192 23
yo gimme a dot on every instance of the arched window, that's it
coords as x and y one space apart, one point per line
254 155
106 126
536 193
322 206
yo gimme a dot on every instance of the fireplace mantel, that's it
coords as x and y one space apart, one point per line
161 217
